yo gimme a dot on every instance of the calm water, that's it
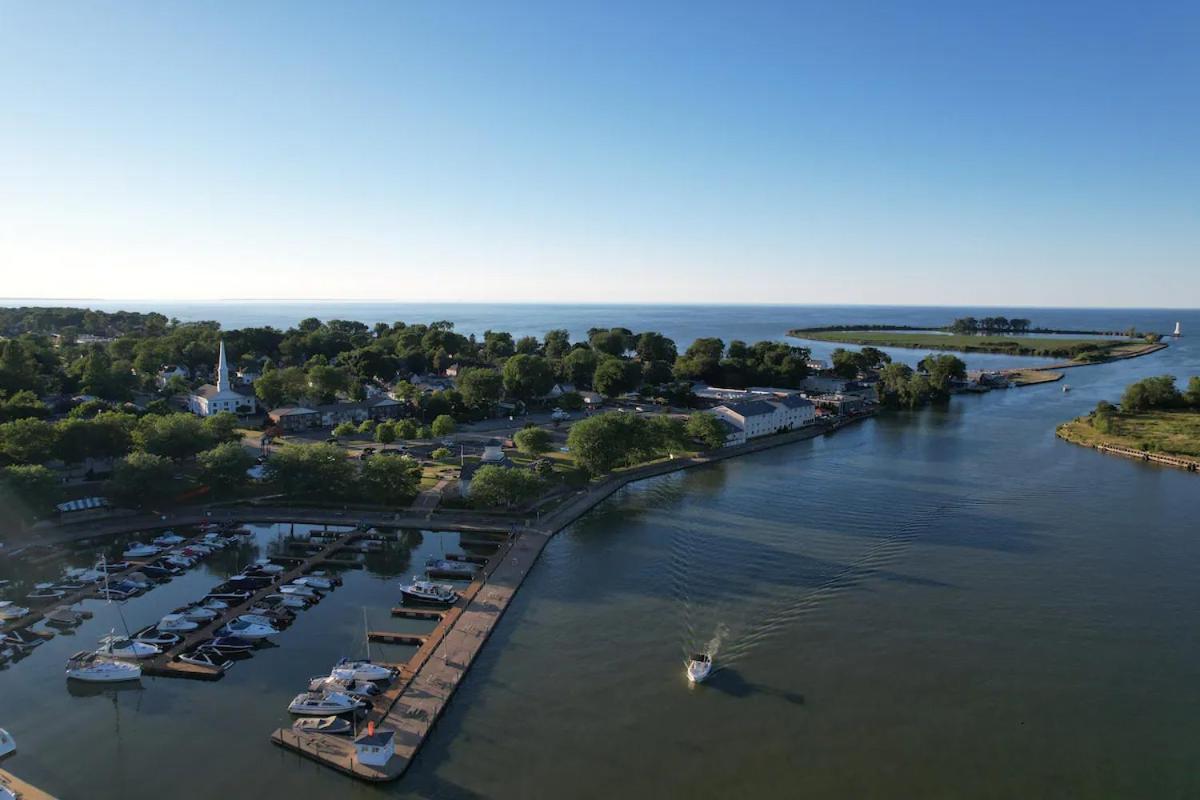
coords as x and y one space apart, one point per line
943 603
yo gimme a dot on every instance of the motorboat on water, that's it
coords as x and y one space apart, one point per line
364 670
285 600
23 639
268 566
300 590
8 744
227 645
315 581
333 726
228 597
177 623
344 684
10 611
197 613
169 539
246 630
124 647
269 620
422 591
95 668
45 591
109 567
445 568
214 605
156 572
63 617
141 551
206 657
321 704
699 667
159 638
140 580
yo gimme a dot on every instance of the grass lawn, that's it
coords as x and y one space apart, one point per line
1171 432
1010 345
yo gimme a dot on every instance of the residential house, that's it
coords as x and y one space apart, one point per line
295 418
168 372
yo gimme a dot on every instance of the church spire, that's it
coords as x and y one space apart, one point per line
222 371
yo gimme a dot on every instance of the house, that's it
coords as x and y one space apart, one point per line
492 451
558 390
453 370
212 399
168 372
762 417
432 383
592 399
816 365
248 375
376 408
295 418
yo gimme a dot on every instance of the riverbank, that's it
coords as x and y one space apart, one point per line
1163 437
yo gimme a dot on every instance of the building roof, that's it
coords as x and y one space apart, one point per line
83 504
728 426
794 401
751 408
292 411
208 391
380 738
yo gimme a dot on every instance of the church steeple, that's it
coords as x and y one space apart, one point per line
222 371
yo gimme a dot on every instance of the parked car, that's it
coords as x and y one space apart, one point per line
559 415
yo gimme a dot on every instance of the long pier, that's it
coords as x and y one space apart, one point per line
21 789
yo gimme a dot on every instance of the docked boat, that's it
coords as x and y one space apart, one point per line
268 566
8 744
63 617
322 704
68 586
214 605
228 597
10 611
109 567
45 591
699 667
116 593
23 639
246 630
158 638
333 726
285 601
124 647
197 613
140 580
300 590
421 591
364 670
315 581
94 668
177 623
227 646
178 561
169 539
270 620
445 568
206 657
141 551
345 684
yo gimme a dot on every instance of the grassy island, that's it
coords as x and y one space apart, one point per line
1082 349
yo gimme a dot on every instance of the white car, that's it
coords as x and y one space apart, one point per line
560 415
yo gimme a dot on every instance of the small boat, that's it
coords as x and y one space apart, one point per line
315 581
364 670
157 638
300 590
699 667
1066 388
422 591
8 744
157 571
227 646
178 562
228 597
10 611
345 685
23 639
284 601
268 566
115 593
140 580
141 551
206 657
197 613
445 568
63 617
321 704
246 630
69 586
109 567
45 591
214 605
93 668
169 539
333 726
271 619
1178 330
123 647
177 623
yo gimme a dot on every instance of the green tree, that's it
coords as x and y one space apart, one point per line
579 365
443 425
653 346
606 441
504 487
345 429
846 363
440 453
311 470
406 429
28 441
526 377
570 401
702 361
528 345
224 467
1151 393
480 387
222 427
366 426
706 429
29 488
532 440
176 436
615 377
22 404
557 344
390 480
143 477
1192 395
385 432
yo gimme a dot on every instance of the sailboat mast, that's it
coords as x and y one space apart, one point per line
366 633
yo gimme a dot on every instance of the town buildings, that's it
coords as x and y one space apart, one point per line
212 399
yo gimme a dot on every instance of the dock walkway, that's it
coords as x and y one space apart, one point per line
21 789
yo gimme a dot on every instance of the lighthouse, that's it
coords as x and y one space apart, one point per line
1177 331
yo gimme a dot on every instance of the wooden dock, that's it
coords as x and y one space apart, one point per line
417 613
387 637
21 789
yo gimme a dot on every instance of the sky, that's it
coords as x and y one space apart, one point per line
933 153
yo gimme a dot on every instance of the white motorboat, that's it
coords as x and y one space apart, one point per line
333 726
423 591
286 600
213 604
10 611
321 704
257 619
124 647
246 630
109 567
364 670
699 667
141 551
177 623
315 581
94 668
198 613
180 561
169 539
45 591
345 685
7 743
300 590
160 639
206 657
268 566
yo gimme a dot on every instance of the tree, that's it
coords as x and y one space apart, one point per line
557 344
1192 395
665 434
606 441
406 429
570 401
527 377
578 367
611 341
443 425
702 361
614 376
528 345
504 487
224 467
390 480
366 426
941 371
346 428
653 346
28 487
706 429
532 440
143 477
28 441
385 433
846 363
176 436
440 453
311 470
1152 393
21 404
480 387
873 357
497 345
221 427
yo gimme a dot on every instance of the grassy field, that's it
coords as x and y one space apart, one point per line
1170 432
1010 345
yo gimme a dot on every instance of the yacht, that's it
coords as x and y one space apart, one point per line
158 638
246 630
214 605
333 726
345 684
197 613
422 591
699 667
169 539
364 670
269 621
300 590
10 611
141 551
206 657
94 668
227 645
315 581
177 623
45 591
124 647
285 600
228 597
7 744
321 704
109 567
268 566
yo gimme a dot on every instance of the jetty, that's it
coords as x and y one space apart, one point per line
21 789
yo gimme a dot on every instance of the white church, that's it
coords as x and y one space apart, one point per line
209 399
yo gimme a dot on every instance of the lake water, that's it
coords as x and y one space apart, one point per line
942 603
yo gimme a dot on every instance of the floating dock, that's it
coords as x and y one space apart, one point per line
21 789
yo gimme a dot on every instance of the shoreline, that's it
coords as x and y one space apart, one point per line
1111 445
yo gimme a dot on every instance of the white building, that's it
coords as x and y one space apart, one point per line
168 372
749 419
209 399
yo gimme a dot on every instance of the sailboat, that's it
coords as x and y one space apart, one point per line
365 670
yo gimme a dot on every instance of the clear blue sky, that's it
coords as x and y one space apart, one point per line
1038 153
